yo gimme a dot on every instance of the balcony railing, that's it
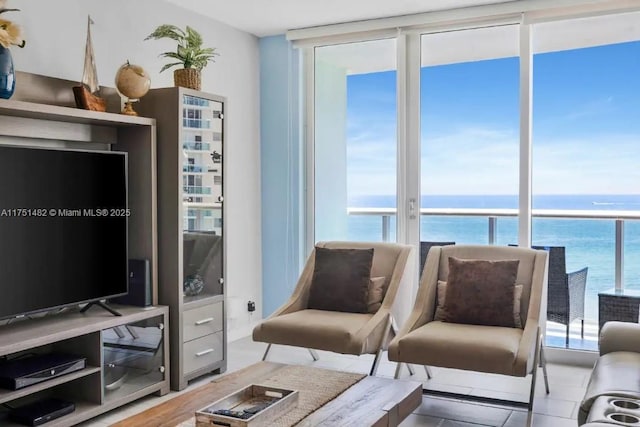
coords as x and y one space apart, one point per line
193 213
196 146
192 100
196 123
194 189
492 215
192 168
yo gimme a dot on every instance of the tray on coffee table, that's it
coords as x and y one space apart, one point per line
253 406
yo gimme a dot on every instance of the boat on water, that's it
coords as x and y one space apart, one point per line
86 95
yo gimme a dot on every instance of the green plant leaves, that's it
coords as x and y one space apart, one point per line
173 55
189 50
167 66
167 31
194 39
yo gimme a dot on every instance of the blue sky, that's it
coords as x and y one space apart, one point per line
586 125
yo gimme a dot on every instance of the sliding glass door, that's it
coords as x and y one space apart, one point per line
355 148
470 135
586 149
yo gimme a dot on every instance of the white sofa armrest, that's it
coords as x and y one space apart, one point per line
620 336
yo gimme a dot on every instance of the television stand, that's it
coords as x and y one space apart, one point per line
100 304
117 371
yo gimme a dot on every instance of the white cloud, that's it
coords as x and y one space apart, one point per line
471 161
595 108
485 161
598 164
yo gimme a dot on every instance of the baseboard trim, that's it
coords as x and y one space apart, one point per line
242 332
565 356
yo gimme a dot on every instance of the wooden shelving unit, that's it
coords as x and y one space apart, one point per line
41 124
191 141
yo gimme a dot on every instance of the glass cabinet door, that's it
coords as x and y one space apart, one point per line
133 357
201 140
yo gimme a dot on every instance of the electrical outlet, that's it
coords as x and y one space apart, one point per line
251 306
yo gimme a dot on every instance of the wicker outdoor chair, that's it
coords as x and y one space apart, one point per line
565 297
424 250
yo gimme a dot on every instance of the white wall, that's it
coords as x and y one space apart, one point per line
56 34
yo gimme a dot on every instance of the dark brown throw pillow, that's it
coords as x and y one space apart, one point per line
376 294
480 292
340 280
441 296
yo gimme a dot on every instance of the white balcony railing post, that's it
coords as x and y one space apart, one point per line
386 227
619 269
493 229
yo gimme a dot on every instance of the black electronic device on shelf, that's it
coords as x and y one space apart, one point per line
25 371
140 292
41 411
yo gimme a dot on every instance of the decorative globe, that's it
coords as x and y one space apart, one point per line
132 81
193 285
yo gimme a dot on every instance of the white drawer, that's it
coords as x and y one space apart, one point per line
201 352
202 321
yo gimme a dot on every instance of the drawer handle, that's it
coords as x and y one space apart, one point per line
203 321
203 352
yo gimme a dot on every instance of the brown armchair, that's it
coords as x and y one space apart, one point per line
341 332
492 349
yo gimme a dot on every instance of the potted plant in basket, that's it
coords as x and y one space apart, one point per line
189 53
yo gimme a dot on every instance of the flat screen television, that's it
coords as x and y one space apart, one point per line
63 228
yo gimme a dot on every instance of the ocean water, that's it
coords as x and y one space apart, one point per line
588 242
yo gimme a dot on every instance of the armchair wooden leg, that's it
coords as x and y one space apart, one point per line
428 371
266 352
567 339
410 368
398 369
533 380
582 328
385 335
314 354
376 362
543 364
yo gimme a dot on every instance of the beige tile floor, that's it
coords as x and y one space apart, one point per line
557 409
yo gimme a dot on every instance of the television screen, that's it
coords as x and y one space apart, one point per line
63 228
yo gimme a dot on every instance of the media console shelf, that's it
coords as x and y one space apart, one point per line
126 358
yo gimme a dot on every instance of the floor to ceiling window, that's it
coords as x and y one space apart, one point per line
355 141
470 135
586 135
585 146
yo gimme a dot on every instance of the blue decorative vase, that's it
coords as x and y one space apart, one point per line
7 74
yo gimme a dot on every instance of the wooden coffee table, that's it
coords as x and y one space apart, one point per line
373 401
